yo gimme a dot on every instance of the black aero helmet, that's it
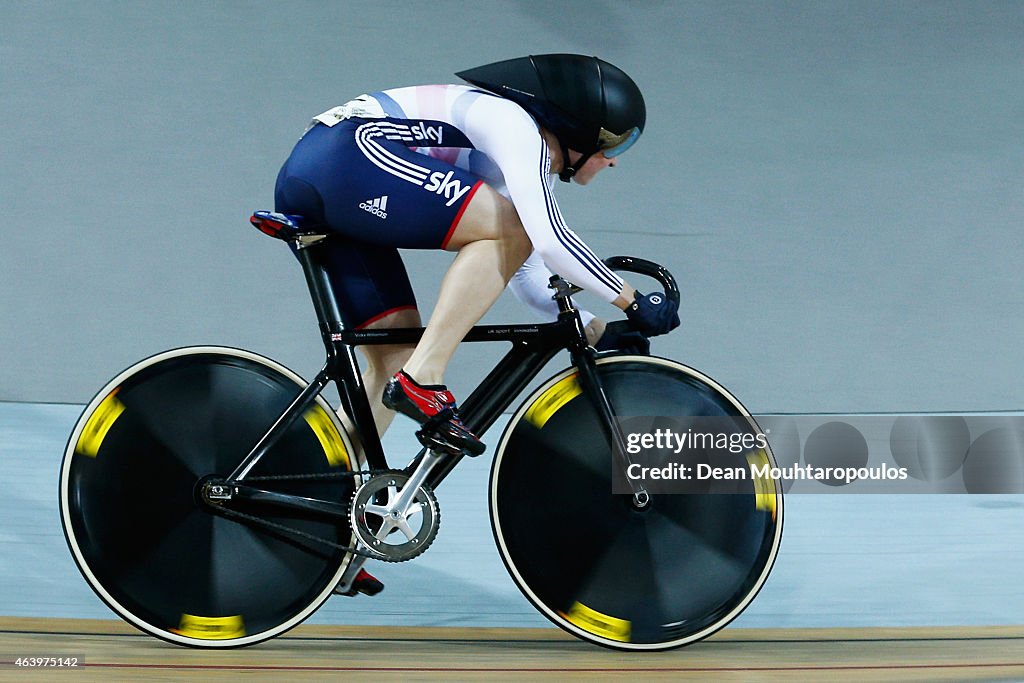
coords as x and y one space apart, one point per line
587 103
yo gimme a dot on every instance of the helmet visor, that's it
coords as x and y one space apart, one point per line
612 145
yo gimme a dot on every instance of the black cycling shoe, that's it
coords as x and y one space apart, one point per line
423 403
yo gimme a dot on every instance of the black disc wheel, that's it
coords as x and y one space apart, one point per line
140 530
624 576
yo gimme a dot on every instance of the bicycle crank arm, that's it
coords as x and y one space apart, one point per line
419 476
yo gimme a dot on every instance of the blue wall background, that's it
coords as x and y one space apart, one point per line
837 185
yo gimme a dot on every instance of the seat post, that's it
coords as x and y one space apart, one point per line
319 282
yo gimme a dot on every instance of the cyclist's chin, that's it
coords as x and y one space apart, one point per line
587 173
583 177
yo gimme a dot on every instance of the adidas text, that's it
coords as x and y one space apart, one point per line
377 206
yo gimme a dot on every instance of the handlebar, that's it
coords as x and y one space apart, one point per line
632 264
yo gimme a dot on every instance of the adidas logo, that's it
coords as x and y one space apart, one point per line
378 207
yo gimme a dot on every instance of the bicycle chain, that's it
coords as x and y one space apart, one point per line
228 512
326 475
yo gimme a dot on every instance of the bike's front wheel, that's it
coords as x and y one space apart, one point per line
625 576
137 524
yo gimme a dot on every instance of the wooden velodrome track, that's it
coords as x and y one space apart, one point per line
110 650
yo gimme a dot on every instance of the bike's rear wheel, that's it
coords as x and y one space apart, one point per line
654 578
138 529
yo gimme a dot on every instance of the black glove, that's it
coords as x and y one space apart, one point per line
618 337
653 314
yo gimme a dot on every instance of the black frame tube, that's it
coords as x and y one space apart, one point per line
297 407
324 508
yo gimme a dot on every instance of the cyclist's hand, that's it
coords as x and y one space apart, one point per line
618 337
653 314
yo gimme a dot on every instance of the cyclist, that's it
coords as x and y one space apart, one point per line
469 169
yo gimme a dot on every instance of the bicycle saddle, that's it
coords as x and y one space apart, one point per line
288 227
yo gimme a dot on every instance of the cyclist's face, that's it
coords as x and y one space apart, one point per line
595 164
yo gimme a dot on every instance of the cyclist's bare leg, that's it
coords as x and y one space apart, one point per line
381 363
492 245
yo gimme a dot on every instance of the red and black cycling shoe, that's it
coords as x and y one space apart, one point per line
365 583
425 402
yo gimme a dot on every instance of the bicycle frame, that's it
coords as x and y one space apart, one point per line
532 347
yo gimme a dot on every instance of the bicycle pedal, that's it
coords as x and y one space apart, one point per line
434 442
442 433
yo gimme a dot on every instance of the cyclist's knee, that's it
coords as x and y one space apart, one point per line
489 216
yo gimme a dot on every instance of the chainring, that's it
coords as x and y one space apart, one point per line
388 534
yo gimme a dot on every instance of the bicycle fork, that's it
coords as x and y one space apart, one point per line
583 358
591 384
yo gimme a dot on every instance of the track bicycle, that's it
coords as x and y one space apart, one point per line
211 497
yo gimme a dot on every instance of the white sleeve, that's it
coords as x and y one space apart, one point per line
530 285
505 132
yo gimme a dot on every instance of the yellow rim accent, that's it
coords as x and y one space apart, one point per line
548 403
592 621
98 424
330 439
764 487
210 628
